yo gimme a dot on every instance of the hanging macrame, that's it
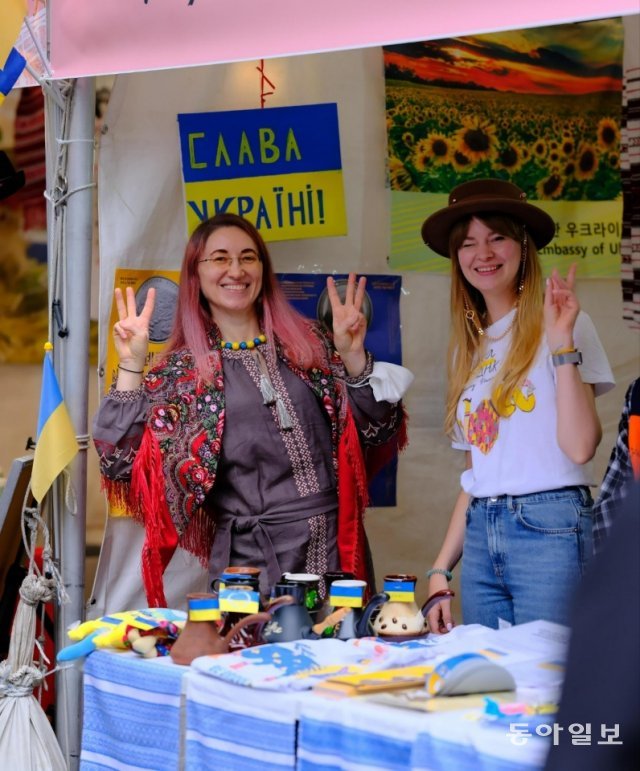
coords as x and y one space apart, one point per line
27 740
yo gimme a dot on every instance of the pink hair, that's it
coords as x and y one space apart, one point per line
279 319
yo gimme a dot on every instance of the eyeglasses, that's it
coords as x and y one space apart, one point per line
226 260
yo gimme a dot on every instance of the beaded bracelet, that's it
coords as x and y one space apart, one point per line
440 572
133 371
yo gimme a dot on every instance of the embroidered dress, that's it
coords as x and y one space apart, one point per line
237 488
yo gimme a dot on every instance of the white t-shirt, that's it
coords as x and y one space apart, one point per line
519 454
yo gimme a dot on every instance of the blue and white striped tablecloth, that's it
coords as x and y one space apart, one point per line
132 712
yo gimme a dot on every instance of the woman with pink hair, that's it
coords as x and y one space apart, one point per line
250 441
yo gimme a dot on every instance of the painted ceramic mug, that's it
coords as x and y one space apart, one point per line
311 584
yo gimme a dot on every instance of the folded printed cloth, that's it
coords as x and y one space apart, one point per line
298 665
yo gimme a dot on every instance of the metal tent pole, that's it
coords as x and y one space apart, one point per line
70 238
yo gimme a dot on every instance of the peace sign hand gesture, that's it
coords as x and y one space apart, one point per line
349 323
131 331
561 308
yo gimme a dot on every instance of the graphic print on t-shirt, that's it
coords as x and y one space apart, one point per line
480 426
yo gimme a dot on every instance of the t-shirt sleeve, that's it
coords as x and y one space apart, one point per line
595 368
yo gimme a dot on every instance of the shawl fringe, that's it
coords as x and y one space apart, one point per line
353 498
148 504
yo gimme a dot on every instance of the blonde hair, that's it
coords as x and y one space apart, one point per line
465 345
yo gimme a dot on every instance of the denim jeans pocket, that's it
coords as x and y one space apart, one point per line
552 516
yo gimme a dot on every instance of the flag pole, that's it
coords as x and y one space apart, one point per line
70 136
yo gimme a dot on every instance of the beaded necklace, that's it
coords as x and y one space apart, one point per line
244 345
483 333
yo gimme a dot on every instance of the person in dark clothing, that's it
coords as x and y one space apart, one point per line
602 683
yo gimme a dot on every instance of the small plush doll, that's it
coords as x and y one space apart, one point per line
111 631
157 641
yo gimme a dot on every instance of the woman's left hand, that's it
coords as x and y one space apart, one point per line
561 308
349 323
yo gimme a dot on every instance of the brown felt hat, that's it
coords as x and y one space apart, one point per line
486 196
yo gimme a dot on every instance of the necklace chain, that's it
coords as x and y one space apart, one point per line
497 338
470 314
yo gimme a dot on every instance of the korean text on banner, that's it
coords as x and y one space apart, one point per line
56 444
279 168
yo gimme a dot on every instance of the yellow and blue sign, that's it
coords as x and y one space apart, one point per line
234 600
204 609
399 590
280 168
342 596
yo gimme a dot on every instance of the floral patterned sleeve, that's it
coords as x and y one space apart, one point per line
117 431
377 421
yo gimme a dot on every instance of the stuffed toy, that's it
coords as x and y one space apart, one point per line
118 630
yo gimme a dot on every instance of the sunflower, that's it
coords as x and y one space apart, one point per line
408 138
539 149
614 160
399 177
587 162
477 138
569 169
460 161
510 158
568 146
608 134
421 156
551 187
438 147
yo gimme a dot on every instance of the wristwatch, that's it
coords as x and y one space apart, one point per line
570 357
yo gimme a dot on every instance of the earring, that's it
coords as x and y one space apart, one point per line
523 262
470 315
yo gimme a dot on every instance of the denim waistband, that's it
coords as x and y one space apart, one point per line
544 495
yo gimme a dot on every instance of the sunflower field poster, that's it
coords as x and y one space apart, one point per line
538 107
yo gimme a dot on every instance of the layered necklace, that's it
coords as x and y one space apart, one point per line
482 333
270 395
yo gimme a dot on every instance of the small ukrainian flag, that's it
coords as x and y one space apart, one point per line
400 591
56 443
239 601
204 609
346 596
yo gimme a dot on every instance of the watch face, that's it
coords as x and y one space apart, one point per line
323 311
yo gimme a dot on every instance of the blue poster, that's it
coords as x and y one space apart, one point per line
307 292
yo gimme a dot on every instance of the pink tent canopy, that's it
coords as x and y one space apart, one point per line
135 35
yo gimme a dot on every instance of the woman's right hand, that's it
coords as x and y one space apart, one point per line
439 617
131 331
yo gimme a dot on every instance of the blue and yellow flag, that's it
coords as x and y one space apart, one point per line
11 71
56 443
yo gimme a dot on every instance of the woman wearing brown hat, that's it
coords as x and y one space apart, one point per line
524 367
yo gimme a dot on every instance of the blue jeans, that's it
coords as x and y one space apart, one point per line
524 555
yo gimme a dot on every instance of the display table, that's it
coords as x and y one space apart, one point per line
151 714
359 734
